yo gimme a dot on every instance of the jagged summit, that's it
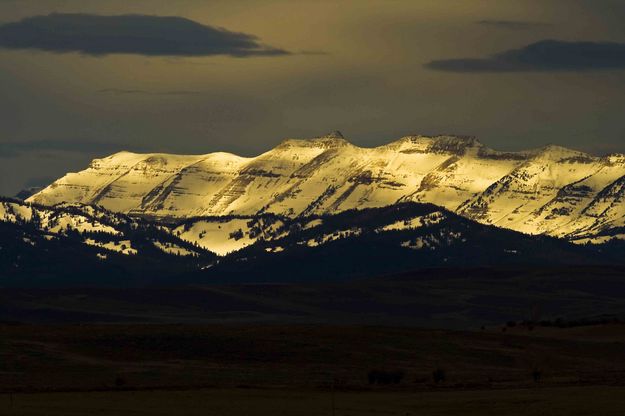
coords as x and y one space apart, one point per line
336 134
327 141
454 144
436 144
556 152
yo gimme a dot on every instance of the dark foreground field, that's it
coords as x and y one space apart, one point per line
361 347
591 401
309 370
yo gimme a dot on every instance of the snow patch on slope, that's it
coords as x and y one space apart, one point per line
121 246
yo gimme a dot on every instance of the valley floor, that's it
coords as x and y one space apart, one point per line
454 298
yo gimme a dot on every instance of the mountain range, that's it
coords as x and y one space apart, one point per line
316 209
551 190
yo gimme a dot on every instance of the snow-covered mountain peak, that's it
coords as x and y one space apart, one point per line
322 143
562 154
410 144
457 145
329 141
336 134
453 145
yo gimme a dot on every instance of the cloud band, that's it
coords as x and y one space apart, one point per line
129 34
547 55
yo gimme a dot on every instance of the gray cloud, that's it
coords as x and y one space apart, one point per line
129 34
14 149
119 91
512 24
546 55
313 52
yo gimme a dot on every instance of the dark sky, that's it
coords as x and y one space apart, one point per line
82 79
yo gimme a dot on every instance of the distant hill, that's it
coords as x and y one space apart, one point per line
26 193
85 245
398 238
